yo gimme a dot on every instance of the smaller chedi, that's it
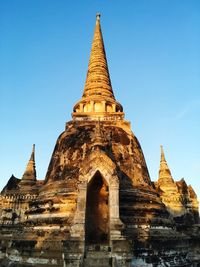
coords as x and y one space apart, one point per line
179 198
97 205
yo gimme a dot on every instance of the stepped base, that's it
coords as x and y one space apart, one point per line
97 262
98 256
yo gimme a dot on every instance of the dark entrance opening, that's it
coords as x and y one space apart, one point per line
97 211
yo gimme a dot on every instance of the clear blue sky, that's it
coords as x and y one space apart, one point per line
153 51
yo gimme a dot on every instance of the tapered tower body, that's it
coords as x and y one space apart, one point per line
98 167
177 196
97 205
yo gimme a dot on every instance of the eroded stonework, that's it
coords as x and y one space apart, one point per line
97 205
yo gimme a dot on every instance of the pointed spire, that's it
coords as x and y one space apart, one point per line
29 176
164 171
162 154
32 158
98 96
98 79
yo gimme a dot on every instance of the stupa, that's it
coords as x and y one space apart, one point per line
97 205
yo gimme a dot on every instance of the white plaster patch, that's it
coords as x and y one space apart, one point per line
140 263
15 258
41 261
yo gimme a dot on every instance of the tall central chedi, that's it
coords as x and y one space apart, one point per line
98 99
95 157
97 205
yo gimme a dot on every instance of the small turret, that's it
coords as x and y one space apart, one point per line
29 176
165 177
182 187
169 192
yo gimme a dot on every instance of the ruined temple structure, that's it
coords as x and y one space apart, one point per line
97 205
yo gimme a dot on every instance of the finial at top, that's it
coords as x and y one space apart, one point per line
98 15
33 153
162 153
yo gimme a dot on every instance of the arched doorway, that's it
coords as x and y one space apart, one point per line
97 211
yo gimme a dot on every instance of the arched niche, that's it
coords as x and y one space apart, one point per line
97 165
97 211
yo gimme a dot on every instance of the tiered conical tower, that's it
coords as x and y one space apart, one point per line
99 169
97 205
29 176
98 99
176 195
